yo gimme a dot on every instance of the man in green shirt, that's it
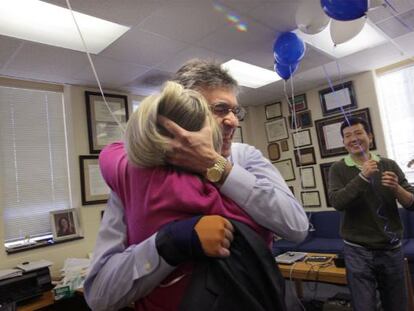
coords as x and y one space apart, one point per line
366 188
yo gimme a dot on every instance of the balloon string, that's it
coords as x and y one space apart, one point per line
93 67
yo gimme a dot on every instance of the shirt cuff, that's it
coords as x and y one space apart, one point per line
238 185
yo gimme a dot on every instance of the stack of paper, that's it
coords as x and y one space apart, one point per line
10 273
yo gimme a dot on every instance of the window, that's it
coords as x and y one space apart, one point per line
34 177
396 90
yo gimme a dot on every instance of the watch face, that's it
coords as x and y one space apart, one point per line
213 175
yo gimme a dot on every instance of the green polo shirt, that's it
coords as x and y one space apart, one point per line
350 162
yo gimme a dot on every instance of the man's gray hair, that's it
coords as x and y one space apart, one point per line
199 74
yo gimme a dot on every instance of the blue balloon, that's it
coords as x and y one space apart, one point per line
345 10
288 49
286 71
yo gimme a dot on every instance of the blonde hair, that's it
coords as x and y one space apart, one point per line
147 142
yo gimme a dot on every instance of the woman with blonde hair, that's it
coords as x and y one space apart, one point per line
154 193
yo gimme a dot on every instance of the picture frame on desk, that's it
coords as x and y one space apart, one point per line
94 189
328 131
65 224
103 129
338 99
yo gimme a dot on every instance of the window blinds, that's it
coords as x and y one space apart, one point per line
33 161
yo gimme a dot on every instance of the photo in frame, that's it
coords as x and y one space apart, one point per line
65 224
341 98
274 151
94 190
285 168
273 110
328 131
102 127
325 167
238 135
299 103
284 145
303 120
307 177
301 139
305 156
276 130
310 198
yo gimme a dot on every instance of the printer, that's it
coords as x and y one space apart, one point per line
28 285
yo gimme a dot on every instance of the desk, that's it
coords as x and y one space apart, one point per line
45 300
316 271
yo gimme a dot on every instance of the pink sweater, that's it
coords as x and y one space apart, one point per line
156 196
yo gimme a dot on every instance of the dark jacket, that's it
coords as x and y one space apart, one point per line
247 280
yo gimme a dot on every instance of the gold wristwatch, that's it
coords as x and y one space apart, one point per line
215 173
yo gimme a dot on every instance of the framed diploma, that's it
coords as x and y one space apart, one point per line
94 189
284 146
307 177
276 130
329 135
285 168
341 98
310 198
301 139
305 156
103 129
273 110
303 120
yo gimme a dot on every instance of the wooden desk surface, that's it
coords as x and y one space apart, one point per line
38 303
315 271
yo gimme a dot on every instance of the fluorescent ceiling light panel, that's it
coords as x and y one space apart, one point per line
250 75
46 23
367 38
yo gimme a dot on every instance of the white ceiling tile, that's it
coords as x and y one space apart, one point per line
231 42
188 22
313 58
173 63
111 72
393 28
151 80
241 6
406 43
143 48
47 60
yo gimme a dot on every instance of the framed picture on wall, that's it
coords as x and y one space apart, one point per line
305 156
94 190
303 120
284 145
64 224
274 151
340 98
238 135
273 110
276 130
301 139
310 198
325 179
307 177
285 168
103 129
298 103
328 131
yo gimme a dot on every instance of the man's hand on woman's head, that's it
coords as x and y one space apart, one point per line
193 151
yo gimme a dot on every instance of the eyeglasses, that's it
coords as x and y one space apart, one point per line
223 109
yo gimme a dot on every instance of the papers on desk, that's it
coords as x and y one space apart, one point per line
10 273
34 265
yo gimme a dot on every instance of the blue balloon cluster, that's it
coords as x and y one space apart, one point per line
345 10
288 50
